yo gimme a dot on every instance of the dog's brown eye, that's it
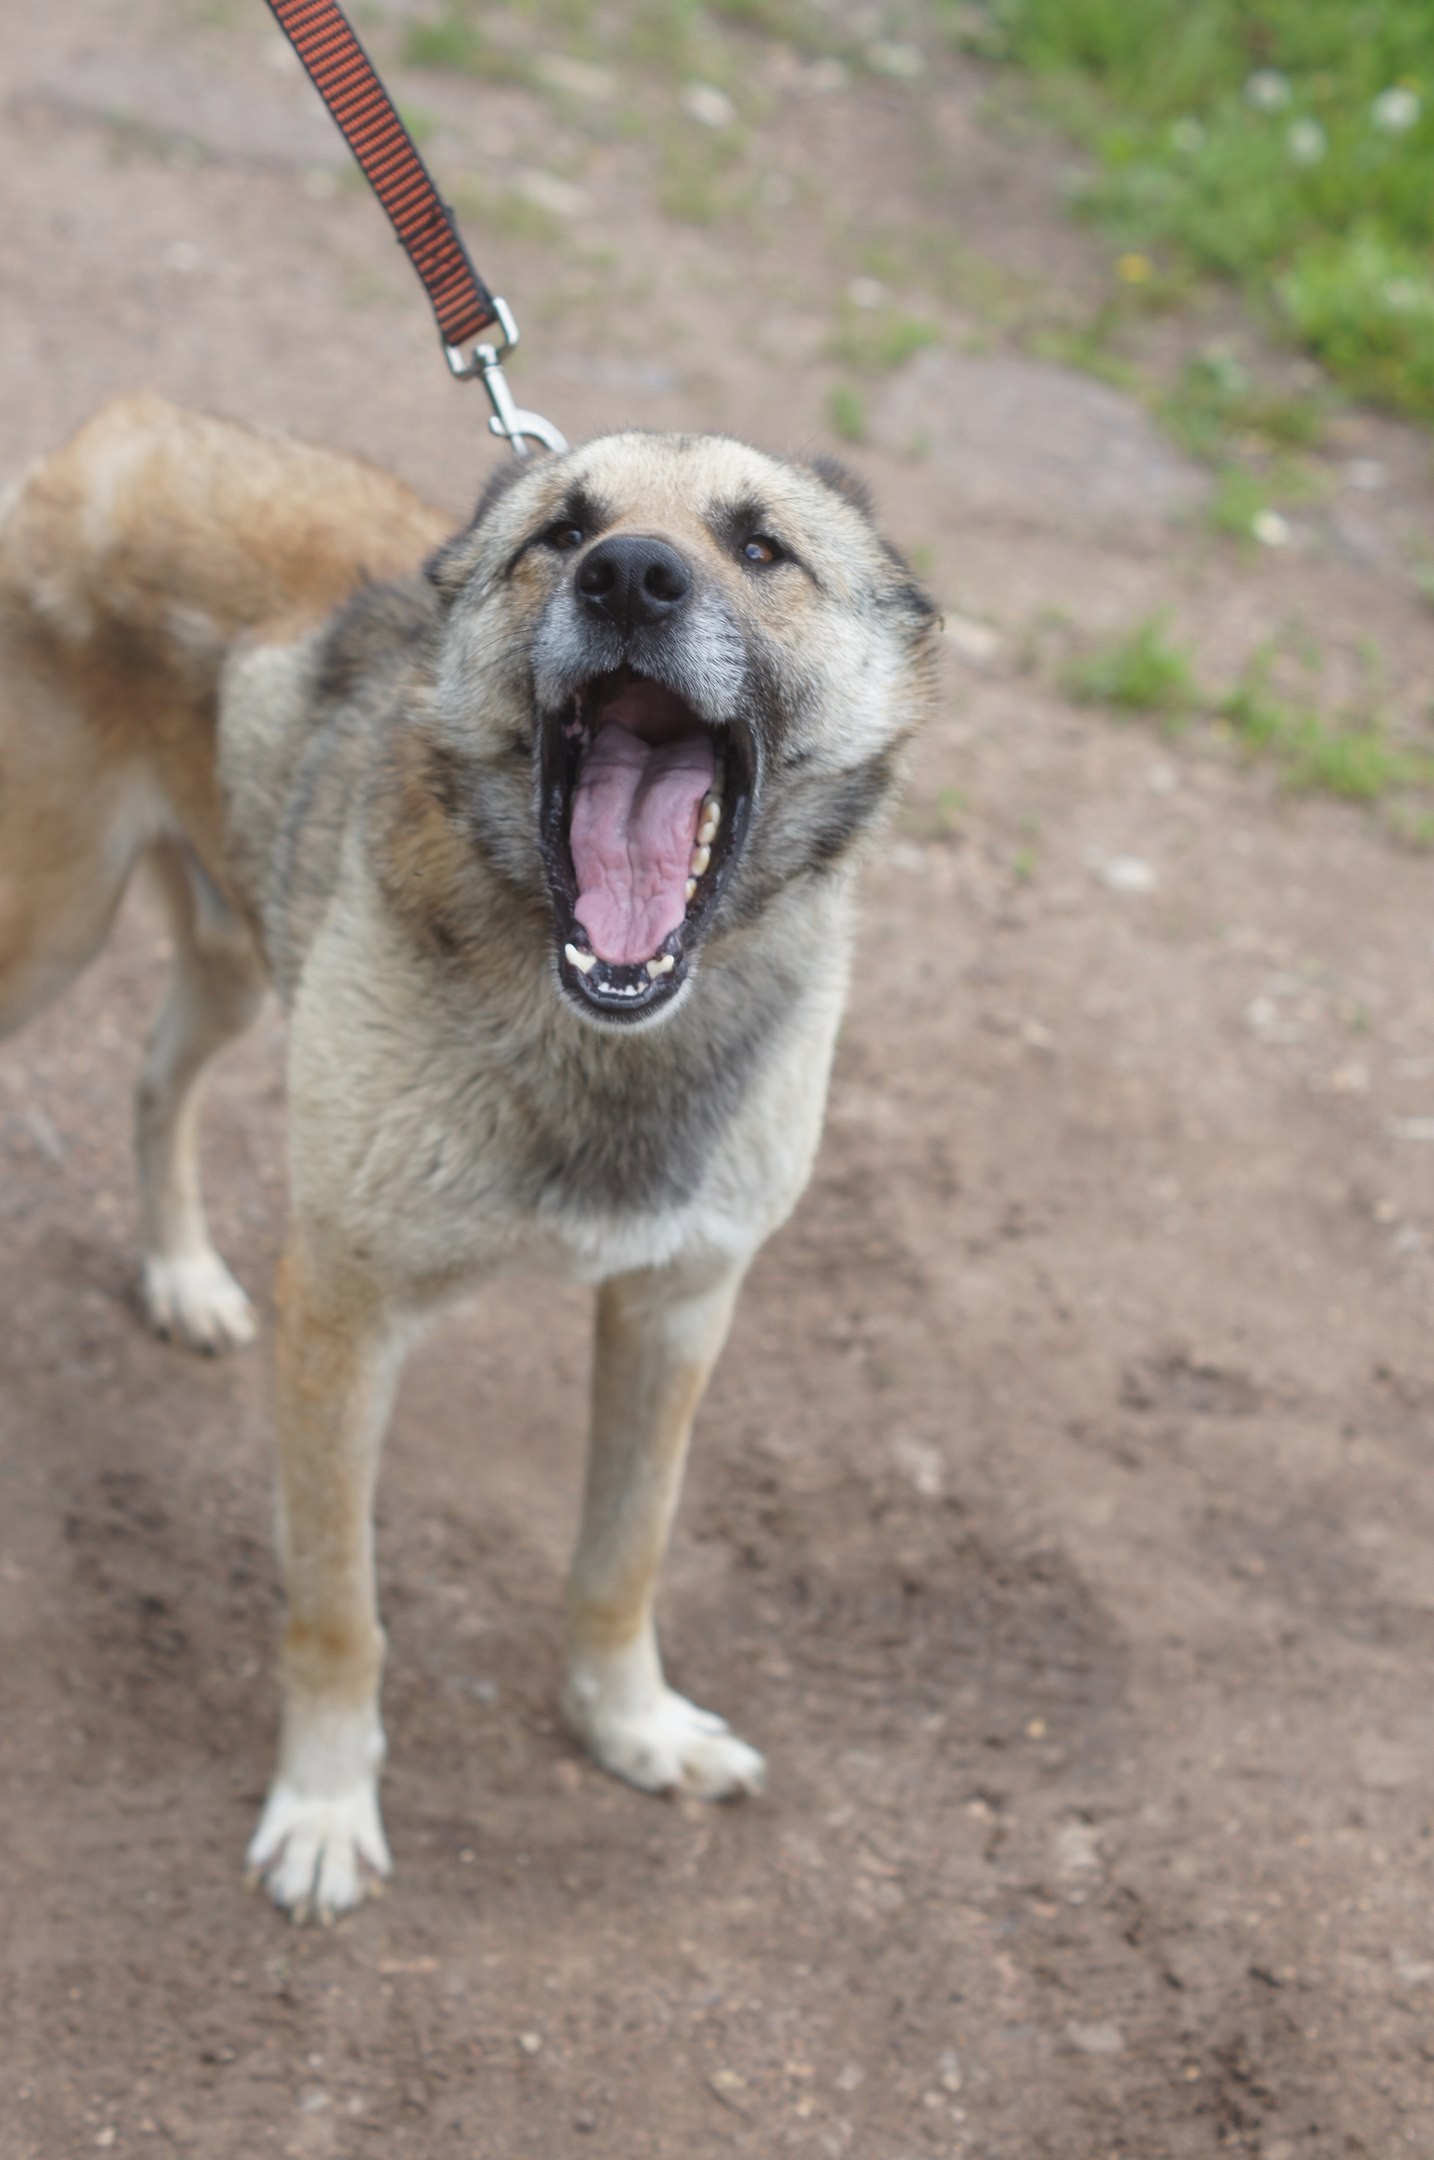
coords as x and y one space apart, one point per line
759 549
565 538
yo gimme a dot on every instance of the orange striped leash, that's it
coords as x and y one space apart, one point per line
363 111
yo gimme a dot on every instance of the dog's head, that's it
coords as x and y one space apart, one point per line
701 662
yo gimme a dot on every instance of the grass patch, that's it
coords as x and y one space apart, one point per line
1354 755
846 413
1141 672
457 42
1216 403
699 180
1239 500
1287 145
522 221
876 341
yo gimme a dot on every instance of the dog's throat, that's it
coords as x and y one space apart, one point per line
635 813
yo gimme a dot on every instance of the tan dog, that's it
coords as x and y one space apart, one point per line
548 852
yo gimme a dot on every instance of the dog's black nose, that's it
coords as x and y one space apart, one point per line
632 580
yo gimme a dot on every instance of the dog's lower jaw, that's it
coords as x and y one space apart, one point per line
319 1849
621 1708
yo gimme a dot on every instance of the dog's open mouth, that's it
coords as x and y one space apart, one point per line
644 808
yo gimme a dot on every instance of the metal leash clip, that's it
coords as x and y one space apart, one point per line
508 420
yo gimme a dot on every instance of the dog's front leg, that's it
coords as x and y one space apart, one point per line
658 1336
320 1843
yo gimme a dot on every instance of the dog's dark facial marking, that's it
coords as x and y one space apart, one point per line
498 484
750 532
582 516
447 566
844 482
374 632
906 599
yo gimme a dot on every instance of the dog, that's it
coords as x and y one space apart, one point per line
544 836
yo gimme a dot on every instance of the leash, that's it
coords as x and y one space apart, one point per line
347 81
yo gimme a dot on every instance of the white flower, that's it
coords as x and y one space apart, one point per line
1306 142
1270 529
709 106
1187 136
1268 90
1396 110
1406 296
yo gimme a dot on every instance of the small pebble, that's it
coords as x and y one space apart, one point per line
1096 2039
1127 873
708 106
561 198
974 641
579 78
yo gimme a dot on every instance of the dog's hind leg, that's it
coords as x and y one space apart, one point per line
73 818
658 1337
215 990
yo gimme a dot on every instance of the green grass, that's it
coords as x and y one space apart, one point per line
699 179
1351 754
1237 502
1216 401
874 341
454 41
1353 757
1259 140
846 413
1143 671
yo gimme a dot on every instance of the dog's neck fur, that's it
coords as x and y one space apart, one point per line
612 1118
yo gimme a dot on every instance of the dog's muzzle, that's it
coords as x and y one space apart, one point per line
633 581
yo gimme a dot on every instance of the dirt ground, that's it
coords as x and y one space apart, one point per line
1062 1517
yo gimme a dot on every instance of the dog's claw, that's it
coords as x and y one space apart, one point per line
669 1745
319 1857
193 1299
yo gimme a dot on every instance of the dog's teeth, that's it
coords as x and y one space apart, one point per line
584 962
662 965
701 857
710 820
691 887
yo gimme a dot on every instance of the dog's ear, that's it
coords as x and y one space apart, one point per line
448 566
842 481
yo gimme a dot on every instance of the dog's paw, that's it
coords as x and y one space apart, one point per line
666 1745
319 1856
194 1299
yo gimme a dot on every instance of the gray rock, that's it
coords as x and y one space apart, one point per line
1027 440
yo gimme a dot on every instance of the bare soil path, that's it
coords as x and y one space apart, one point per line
1062 1518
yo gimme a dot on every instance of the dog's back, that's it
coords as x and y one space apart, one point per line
130 562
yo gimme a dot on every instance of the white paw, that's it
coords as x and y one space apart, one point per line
665 1744
318 1857
194 1299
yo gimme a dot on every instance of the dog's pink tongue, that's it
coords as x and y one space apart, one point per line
634 821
